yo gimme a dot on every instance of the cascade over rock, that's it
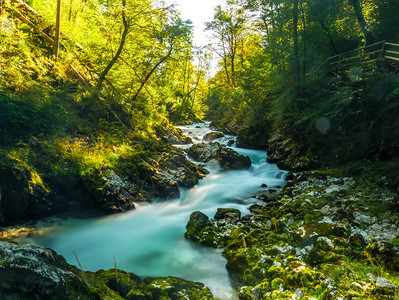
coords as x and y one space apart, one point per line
211 136
227 157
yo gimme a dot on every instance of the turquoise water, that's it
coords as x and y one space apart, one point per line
149 241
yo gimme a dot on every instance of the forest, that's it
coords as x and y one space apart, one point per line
109 111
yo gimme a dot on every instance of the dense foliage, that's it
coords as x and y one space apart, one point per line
284 84
90 127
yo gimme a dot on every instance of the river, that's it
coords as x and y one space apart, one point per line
149 241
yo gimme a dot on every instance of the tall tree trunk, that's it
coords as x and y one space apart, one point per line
362 22
304 43
295 38
70 10
119 51
333 47
56 45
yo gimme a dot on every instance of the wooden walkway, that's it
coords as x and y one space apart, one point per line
382 51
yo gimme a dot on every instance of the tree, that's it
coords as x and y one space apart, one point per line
126 26
57 31
228 27
295 38
169 37
362 22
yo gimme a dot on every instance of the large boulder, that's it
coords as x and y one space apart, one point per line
30 272
200 229
227 157
172 135
211 136
23 195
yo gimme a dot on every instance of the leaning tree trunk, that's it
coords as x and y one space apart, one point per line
362 22
119 51
143 83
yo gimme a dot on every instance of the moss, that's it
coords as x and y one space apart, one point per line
299 274
201 230
254 276
118 285
177 289
222 212
275 271
277 284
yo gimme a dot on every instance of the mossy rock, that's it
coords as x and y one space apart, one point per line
254 276
177 289
211 136
308 233
238 263
299 275
384 253
201 230
277 284
222 213
119 285
317 256
227 157
275 271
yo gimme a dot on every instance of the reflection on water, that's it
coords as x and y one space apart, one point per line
149 241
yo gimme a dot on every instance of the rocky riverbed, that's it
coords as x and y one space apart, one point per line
320 237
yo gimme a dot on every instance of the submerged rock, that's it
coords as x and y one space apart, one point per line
227 157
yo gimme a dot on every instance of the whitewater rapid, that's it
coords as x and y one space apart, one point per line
149 241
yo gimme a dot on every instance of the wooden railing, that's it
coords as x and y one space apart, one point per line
369 54
391 51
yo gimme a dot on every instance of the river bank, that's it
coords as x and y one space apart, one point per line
150 239
323 235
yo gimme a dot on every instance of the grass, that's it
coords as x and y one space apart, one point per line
351 271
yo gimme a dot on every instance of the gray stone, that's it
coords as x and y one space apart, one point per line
384 283
227 157
324 244
371 277
299 293
361 218
356 286
376 227
325 209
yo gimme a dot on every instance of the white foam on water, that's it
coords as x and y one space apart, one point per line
149 241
